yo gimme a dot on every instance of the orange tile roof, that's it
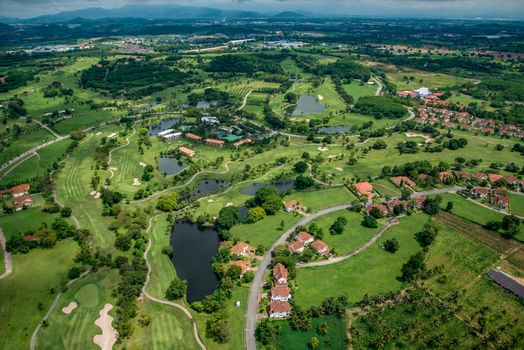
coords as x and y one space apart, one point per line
213 141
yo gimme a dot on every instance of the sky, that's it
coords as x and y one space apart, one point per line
377 8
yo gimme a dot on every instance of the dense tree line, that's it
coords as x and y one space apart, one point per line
380 107
248 64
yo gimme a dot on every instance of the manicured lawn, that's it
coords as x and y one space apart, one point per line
386 188
354 234
322 199
516 203
76 330
336 337
357 90
24 143
24 220
372 272
30 290
422 78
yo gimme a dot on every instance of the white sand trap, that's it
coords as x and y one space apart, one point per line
113 168
136 182
210 200
98 133
97 195
425 137
333 156
320 97
92 193
107 339
112 135
142 164
69 308
323 149
229 204
340 169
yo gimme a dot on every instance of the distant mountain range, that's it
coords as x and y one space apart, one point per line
174 12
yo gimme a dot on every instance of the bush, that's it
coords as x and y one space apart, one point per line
369 222
391 245
177 289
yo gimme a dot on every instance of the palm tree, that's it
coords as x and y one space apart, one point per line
323 329
314 343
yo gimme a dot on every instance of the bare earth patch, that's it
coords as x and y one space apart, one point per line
323 149
69 308
107 339
425 137
112 135
136 182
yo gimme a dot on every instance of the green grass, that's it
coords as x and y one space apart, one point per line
372 272
357 90
76 330
36 278
24 143
427 79
386 188
294 339
354 234
25 220
516 203
321 199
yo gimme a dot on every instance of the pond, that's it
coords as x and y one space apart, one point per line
334 129
280 185
193 252
207 186
164 124
308 105
206 104
170 166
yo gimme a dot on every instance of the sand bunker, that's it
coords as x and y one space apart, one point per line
136 182
92 193
98 133
229 204
107 339
69 308
340 169
425 137
113 168
142 164
320 97
97 195
112 135
323 149
210 200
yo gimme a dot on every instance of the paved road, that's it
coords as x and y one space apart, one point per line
380 89
54 133
365 246
8 264
252 307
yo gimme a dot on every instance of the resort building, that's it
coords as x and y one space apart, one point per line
243 249
480 192
245 266
16 191
364 189
214 143
22 201
280 274
242 142
305 237
320 247
186 151
402 180
279 309
294 205
193 137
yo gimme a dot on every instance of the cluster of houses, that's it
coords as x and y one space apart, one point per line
421 93
465 121
243 251
280 294
303 240
20 196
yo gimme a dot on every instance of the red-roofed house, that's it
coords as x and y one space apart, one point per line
494 177
294 205
193 137
321 247
395 202
402 180
364 189
244 265
280 293
512 181
22 201
419 201
305 237
500 201
280 274
243 249
186 151
20 190
214 143
406 94
296 247
480 176
480 192
279 309
381 207
444 175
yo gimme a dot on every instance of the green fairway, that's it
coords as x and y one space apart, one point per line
76 330
25 220
24 143
372 272
336 337
516 203
354 235
386 188
37 277
322 199
422 78
357 90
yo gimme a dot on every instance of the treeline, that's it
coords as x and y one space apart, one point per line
209 94
380 107
14 79
248 64
503 88
346 71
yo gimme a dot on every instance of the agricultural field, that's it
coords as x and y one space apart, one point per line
411 80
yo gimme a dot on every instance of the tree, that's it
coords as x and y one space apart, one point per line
66 212
391 245
449 206
300 320
303 182
510 225
217 328
380 144
337 227
301 167
314 343
323 329
228 217
177 289
369 222
376 213
427 235
405 194
412 269
432 205
267 332
272 204
168 202
255 214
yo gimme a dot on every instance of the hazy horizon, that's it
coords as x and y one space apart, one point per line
374 8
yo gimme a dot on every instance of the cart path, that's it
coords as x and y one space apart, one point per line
365 246
8 263
165 302
110 155
244 102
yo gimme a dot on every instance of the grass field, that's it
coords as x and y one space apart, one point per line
76 330
357 90
36 278
427 79
24 143
25 220
354 234
386 188
372 272
516 203
336 337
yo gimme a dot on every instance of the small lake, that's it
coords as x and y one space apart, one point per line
164 124
334 129
170 166
206 104
308 105
207 186
193 252
280 185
